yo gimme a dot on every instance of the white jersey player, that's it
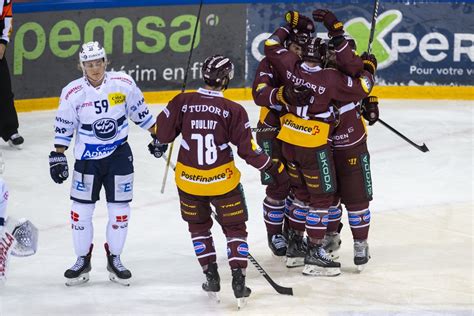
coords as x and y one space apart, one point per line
95 110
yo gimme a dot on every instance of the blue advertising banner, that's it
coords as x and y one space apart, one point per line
415 43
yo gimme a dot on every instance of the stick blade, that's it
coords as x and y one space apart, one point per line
424 148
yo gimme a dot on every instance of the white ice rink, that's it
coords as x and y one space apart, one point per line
421 237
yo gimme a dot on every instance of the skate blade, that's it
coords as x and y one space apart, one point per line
214 296
293 262
18 147
115 279
360 268
241 303
83 278
314 270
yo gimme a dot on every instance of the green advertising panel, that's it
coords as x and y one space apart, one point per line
151 44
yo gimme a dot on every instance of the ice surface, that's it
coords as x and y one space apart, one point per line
421 237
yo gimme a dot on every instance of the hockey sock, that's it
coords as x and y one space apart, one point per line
335 214
360 223
81 225
203 244
273 215
237 252
316 223
117 227
297 215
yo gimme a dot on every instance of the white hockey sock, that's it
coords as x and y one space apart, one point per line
117 228
81 225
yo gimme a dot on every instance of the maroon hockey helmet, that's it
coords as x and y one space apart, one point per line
217 71
312 50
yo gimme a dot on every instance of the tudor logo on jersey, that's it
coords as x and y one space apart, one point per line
105 128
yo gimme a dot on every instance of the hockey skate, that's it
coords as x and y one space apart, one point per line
79 272
318 263
361 254
16 141
212 285
277 244
331 244
296 250
117 272
241 292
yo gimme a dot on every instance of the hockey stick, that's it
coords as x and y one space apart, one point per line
372 25
183 88
423 147
280 289
264 129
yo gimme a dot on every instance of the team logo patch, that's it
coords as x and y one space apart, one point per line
321 89
199 247
300 213
74 216
105 129
312 219
243 249
354 219
275 216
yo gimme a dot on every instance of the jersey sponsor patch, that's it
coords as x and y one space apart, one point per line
312 219
354 219
300 213
276 216
243 249
199 247
116 98
93 151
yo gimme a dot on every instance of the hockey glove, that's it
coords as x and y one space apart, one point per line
299 22
58 167
297 95
278 173
370 62
332 24
156 148
370 109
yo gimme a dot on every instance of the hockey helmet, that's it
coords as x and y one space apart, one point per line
312 50
217 71
298 38
92 51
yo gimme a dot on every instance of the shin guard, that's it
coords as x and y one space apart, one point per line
316 223
360 223
81 226
273 215
117 227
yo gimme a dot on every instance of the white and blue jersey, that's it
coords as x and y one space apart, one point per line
99 116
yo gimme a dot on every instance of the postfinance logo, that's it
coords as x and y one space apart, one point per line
359 30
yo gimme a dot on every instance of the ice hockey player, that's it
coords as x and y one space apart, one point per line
306 130
97 107
17 238
264 91
351 157
205 172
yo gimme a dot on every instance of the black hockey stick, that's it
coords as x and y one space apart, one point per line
423 147
183 88
280 289
372 25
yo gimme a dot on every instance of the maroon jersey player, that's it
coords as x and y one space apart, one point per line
352 161
305 133
205 171
264 90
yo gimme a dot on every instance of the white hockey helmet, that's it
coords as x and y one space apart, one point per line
92 51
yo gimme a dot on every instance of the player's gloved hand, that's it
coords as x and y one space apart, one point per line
299 22
330 21
156 148
58 167
295 95
278 172
370 109
370 62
